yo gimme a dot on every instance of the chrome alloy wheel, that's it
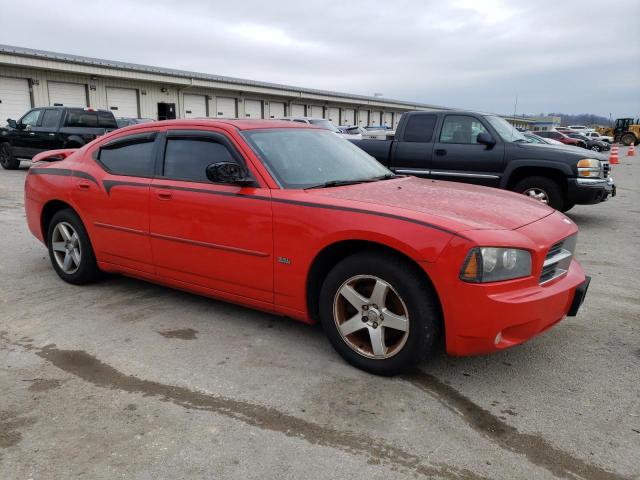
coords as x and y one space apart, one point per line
371 317
537 194
66 247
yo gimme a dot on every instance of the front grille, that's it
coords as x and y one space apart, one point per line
558 259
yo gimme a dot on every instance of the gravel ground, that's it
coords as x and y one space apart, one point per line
124 379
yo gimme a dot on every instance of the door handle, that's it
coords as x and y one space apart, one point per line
32 133
84 185
164 194
441 151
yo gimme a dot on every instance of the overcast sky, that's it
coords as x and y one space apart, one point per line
569 56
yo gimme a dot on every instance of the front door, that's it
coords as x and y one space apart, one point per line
46 136
205 234
457 156
25 140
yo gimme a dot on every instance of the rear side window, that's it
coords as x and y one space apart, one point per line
82 118
420 128
187 159
106 120
131 155
51 118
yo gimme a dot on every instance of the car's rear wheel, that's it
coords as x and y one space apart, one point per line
7 160
379 312
595 148
70 250
543 189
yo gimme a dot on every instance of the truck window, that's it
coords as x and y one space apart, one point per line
31 118
106 120
82 118
461 129
51 118
420 128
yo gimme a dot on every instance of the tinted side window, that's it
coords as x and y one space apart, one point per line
134 158
187 159
51 118
420 128
106 120
81 118
461 129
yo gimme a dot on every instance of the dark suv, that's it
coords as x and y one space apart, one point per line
51 128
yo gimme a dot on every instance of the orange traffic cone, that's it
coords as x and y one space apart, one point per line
613 156
632 150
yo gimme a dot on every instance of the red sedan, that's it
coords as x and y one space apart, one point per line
297 221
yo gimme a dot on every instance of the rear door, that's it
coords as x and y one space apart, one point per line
412 155
210 235
46 132
457 156
116 204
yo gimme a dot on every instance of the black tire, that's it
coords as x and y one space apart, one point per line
567 206
595 148
407 284
548 186
7 160
86 270
628 139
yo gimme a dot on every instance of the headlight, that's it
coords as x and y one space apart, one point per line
493 264
588 167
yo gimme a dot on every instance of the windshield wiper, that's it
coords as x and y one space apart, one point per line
340 183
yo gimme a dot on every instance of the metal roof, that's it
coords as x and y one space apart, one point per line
134 67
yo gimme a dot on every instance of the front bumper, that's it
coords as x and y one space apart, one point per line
587 191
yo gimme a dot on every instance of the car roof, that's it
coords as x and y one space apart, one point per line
239 124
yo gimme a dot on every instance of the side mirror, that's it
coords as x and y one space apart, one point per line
484 138
12 123
230 173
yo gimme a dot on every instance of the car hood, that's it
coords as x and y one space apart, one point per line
456 206
566 150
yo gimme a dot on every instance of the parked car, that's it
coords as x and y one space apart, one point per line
351 132
579 128
292 219
592 144
533 138
50 128
485 149
598 136
562 137
126 121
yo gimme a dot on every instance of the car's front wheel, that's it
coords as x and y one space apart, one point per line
70 250
543 189
379 312
7 159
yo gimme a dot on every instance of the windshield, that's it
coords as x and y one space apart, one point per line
301 158
326 124
506 131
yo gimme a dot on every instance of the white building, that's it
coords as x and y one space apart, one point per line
35 78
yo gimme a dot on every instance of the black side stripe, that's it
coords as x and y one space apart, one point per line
63 172
109 184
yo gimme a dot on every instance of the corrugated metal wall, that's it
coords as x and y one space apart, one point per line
153 89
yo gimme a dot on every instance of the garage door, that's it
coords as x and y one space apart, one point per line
253 109
349 116
226 107
374 119
317 111
388 119
276 110
123 102
363 118
14 98
297 110
334 115
67 94
195 106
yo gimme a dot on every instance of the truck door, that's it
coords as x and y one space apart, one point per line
457 156
45 134
24 138
411 155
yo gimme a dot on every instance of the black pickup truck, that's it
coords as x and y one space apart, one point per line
485 149
51 128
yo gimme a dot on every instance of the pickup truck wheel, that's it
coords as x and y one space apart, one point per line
567 206
379 313
543 189
7 160
70 250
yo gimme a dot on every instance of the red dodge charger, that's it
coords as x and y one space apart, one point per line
295 220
